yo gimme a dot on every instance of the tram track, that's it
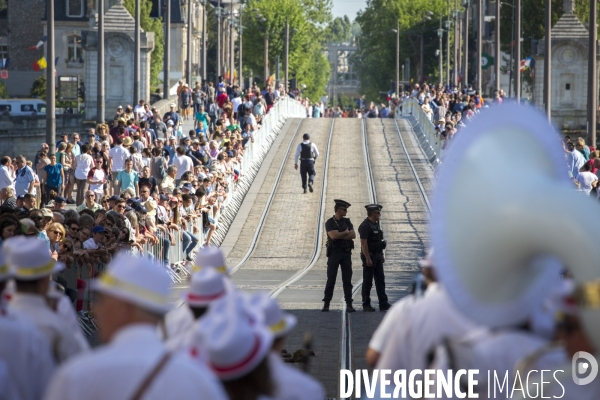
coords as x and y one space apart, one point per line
267 208
346 319
256 239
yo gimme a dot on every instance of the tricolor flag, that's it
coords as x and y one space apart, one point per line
40 64
39 44
527 63
4 63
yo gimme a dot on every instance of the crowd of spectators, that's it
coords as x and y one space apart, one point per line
138 182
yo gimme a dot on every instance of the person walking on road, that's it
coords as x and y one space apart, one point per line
308 153
372 245
340 236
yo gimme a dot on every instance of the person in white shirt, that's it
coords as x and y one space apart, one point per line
6 175
183 163
133 296
117 157
24 350
308 153
32 265
585 179
83 163
139 110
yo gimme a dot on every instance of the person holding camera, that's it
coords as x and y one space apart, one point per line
372 245
340 236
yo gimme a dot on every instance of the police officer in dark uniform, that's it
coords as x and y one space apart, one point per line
340 235
308 153
372 245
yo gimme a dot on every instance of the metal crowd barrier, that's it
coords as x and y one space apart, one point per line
424 129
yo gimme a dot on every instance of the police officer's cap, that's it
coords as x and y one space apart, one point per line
341 203
373 207
306 136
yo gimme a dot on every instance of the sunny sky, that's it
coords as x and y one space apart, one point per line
348 7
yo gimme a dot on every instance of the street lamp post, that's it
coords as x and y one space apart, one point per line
479 46
517 60
397 32
548 58
467 4
50 88
204 72
136 58
100 70
218 11
287 53
592 75
188 75
448 27
456 53
167 60
497 48
440 33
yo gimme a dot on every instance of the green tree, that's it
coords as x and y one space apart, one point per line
38 88
155 25
308 19
340 30
375 61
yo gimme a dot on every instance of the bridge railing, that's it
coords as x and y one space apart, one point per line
429 139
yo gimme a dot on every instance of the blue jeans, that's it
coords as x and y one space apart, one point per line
166 244
189 242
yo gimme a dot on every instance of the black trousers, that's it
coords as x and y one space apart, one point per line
307 169
376 271
344 260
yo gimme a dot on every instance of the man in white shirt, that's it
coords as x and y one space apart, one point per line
83 164
32 265
585 179
133 296
6 176
575 159
23 349
139 110
183 163
308 153
117 156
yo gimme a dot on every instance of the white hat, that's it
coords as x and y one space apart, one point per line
5 270
30 258
210 256
278 322
427 262
235 347
137 280
170 122
206 286
172 105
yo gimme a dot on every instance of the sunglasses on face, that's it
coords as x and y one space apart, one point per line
37 218
120 207
74 229
57 232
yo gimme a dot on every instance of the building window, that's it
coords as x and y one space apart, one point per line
75 8
75 52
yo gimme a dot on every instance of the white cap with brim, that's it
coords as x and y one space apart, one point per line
206 286
235 346
278 322
29 258
210 256
136 280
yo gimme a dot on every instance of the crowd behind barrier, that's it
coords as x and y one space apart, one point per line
147 188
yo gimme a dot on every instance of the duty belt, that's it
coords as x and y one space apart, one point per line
307 159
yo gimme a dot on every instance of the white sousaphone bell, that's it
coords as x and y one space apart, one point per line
506 219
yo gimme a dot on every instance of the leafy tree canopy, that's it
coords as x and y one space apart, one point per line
340 30
308 21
